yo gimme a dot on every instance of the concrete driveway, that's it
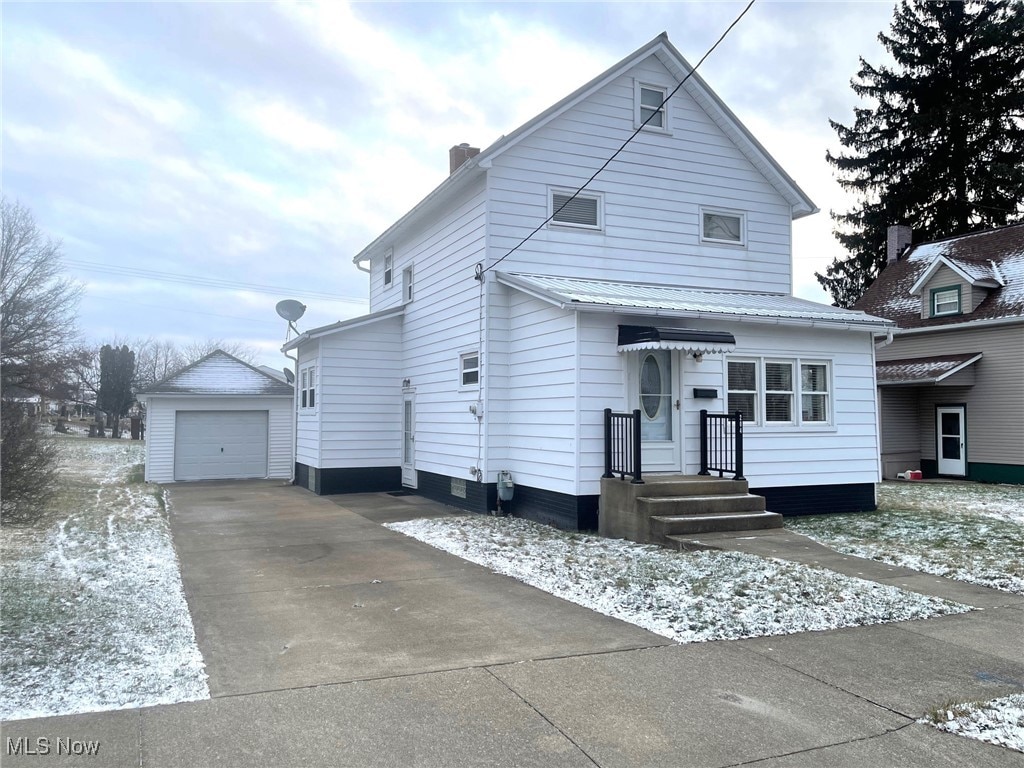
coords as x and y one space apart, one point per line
331 641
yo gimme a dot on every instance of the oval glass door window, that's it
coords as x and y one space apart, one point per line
656 395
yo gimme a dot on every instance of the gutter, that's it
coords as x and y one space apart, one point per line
993 322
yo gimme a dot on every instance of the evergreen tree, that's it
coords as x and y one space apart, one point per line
941 146
117 374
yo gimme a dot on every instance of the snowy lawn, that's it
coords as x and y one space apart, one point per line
1000 721
686 596
964 531
93 613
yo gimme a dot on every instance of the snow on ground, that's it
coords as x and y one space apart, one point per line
94 616
964 531
1000 721
686 596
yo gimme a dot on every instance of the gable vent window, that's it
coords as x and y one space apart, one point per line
723 227
580 211
946 301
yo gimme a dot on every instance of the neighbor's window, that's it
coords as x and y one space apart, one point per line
743 389
946 301
722 227
580 211
389 260
649 107
814 392
469 365
307 387
778 392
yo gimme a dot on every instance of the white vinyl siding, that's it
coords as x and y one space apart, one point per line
652 197
161 422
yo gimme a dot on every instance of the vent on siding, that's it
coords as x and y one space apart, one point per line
579 212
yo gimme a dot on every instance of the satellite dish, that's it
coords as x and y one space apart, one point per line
289 376
290 309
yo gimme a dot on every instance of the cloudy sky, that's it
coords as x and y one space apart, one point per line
201 161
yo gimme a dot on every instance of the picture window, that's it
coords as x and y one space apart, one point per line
723 227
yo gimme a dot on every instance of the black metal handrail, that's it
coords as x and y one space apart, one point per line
622 445
721 443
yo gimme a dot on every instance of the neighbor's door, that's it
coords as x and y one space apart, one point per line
409 440
951 426
654 385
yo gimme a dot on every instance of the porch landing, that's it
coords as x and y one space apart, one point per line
665 507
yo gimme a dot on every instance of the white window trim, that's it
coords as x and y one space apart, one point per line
741 215
797 424
666 126
463 370
597 196
389 268
307 382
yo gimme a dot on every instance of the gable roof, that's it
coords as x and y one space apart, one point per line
992 259
696 87
585 295
219 374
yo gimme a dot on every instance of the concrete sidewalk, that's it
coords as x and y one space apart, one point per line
331 641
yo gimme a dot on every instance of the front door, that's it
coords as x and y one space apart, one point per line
951 426
409 440
655 391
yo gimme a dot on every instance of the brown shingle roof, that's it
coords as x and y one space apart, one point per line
995 256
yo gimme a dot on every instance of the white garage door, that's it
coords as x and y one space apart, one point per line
220 445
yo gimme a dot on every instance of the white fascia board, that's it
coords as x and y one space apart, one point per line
990 322
959 368
343 325
939 261
532 290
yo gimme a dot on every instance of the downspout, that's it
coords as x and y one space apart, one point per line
295 415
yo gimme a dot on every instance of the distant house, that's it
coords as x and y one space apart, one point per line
218 419
664 287
950 379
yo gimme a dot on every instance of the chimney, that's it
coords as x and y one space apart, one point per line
460 154
898 239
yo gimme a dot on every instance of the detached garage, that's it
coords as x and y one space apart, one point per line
218 419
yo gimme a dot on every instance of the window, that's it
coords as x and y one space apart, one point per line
580 211
307 387
778 392
649 109
469 365
946 301
389 260
814 393
723 227
407 284
743 389
766 392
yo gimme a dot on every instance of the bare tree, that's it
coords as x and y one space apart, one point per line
200 349
39 354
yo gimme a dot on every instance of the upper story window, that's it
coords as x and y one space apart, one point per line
469 369
723 226
307 387
649 109
389 267
407 284
946 301
582 211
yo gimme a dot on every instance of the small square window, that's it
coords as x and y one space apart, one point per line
946 301
469 365
389 260
579 211
722 227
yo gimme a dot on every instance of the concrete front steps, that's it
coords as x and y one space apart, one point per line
668 506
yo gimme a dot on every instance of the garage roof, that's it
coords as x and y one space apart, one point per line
219 374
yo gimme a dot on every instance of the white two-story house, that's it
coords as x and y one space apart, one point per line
504 320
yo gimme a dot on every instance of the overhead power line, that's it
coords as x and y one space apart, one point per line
615 154
206 282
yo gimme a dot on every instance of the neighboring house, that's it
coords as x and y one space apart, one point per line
665 286
951 402
218 419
